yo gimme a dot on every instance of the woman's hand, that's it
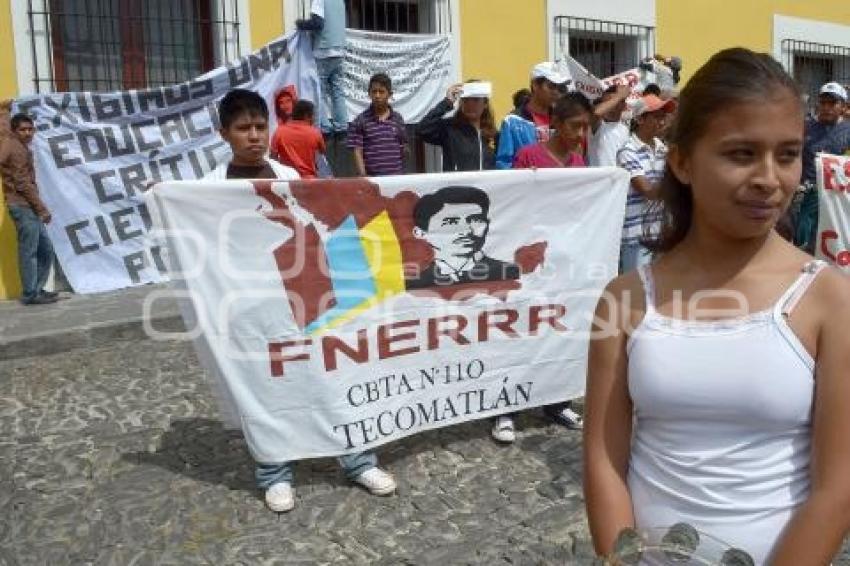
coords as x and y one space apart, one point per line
453 94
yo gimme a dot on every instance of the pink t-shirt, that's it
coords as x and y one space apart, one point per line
536 155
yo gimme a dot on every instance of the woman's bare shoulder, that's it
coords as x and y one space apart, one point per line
831 291
626 285
624 295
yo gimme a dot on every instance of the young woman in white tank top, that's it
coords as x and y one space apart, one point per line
722 397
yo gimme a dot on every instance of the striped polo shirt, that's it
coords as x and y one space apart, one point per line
382 142
641 159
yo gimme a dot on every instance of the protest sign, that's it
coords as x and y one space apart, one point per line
338 315
96 153
636 79
833 186
419 65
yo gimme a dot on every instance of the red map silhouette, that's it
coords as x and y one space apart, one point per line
302 262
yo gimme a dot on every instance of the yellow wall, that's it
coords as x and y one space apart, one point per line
266 21
10 284
731 23
500 41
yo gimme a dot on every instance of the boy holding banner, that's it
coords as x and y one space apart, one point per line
244 126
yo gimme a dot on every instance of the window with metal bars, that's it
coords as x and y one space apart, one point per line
107 45
814 64
394 16
604 48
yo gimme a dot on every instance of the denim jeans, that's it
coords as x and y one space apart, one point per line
633 255
352 466
35 252
330 79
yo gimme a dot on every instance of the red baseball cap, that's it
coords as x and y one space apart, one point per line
651 103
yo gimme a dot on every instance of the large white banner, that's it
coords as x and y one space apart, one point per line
338 315
833 239
96 153
420 67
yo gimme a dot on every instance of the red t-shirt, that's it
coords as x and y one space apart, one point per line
296 144
542 124
537 155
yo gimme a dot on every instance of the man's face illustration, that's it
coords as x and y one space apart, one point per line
456 230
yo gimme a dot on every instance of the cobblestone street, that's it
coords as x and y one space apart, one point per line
113 455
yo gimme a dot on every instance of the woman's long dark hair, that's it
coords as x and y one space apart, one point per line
730 77
488 123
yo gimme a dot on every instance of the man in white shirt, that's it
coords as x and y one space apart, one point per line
609 132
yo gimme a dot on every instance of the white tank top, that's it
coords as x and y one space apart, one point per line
722 429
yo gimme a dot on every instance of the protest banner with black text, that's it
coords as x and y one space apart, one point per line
338 315
833 185
419 65
96 153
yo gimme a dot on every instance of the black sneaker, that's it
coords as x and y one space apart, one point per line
42 300
564 415
49 294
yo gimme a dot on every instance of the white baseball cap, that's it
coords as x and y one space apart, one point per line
834 89
477 90
553 72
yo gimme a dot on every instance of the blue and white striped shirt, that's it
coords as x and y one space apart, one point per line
641 160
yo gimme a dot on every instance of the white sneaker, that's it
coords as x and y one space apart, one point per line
571 419
377 481
503 430
280 497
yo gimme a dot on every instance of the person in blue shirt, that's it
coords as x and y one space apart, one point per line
531 123
829 133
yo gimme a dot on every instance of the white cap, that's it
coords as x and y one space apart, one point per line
477 90
834 89
553 72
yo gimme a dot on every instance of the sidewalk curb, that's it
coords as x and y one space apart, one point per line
89 336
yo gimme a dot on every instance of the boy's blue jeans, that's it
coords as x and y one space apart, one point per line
35 252
330 79
352 466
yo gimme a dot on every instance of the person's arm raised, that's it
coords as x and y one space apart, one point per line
623 92
818 528
432 126
608 420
